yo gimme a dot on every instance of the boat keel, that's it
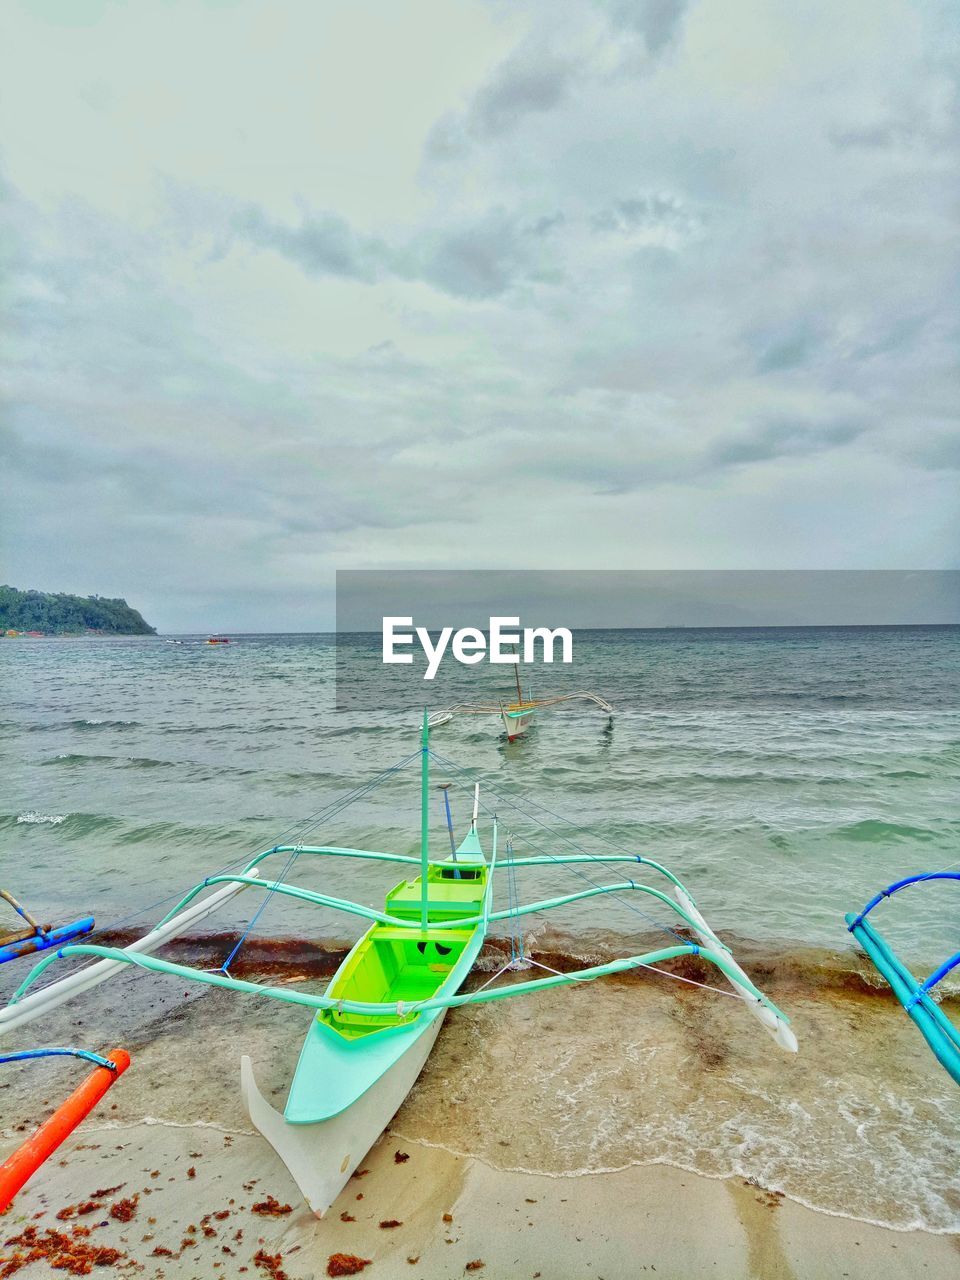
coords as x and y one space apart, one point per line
323 1156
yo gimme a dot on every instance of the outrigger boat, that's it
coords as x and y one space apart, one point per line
372 1030
916 997
516 716
37 937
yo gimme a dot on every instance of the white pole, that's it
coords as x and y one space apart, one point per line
36 1003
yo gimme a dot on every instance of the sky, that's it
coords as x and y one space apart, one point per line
612 284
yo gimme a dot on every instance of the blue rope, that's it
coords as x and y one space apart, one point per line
58 1053
224 968
323 815
304 825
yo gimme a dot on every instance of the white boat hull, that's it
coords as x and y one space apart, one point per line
323 1156
516 726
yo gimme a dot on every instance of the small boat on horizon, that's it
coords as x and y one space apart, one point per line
217 639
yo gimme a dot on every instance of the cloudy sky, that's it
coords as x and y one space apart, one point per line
300 286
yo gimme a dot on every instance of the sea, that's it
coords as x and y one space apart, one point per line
786 775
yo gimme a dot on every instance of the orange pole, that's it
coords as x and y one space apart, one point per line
26 1160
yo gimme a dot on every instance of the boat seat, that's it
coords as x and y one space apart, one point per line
446 899
412 983
446 937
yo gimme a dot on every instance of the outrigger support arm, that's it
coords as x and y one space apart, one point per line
774 1020
550 859
545 860
24 1007
22 911
891 889
684 907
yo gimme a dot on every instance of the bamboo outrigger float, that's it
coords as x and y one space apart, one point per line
37 937
916 997
372 1030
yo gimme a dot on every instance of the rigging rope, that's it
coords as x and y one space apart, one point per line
576 871
513 905
287 866
358 793
505 799
323 814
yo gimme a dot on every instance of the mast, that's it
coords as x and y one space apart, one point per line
516 672
424 818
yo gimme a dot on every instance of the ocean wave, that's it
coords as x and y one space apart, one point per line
70 759
92 723
876 830
746 778
199 771
353 731
735 1170
194 730
79 759
173 833
73 825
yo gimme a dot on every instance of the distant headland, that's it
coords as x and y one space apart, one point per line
43 613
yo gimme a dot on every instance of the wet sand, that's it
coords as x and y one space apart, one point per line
591 1132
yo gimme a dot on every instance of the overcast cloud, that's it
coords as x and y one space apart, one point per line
624 284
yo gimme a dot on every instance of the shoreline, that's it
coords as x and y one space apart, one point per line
185 1194
660 1081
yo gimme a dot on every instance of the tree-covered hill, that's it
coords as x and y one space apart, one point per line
62 614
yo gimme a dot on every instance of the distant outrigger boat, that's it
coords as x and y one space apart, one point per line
516 716
218 639
372 1030
916 997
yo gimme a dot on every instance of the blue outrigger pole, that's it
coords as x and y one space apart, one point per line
37 937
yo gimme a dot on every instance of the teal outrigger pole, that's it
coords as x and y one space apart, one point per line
937 1029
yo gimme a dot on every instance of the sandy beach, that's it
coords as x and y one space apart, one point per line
194 1194
519 1153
